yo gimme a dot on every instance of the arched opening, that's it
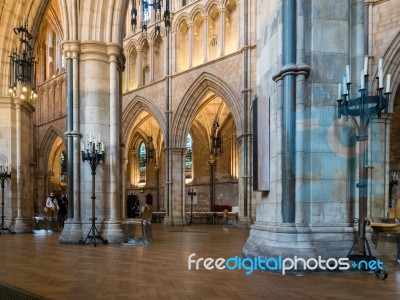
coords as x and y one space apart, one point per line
213 33
232 25
183 44
189 159
198 40
214 162
57 168
142 163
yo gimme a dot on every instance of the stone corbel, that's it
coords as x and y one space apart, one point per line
299 69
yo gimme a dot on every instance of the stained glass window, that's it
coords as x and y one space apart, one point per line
189 157
142 162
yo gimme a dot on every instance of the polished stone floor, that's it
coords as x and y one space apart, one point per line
38 264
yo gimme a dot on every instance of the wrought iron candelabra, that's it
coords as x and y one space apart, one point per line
191 194
362 110
5 173
93 153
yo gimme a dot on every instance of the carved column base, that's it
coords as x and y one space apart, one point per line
72 232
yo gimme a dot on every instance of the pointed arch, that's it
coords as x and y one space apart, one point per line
188 107
133 110
178 22
49 138
392 66
197 9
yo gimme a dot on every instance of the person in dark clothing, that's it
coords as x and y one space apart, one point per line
63 204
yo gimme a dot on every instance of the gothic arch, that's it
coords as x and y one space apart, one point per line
102 21
47 143
392 66
183 17
197 9
133 110
211 4
187 109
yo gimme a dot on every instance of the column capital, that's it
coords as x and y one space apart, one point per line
71 48
91 50
24 105
116 53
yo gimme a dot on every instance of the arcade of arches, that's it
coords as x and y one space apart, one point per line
221 103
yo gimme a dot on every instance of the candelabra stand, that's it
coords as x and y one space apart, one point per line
361 111
5 173
93 154
191 194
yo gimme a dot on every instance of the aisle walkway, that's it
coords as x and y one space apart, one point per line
39 264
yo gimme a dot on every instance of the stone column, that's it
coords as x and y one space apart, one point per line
177 52
72 231
99 91
205 39
112 226
127 70
378 167
22 223
178 211
41 190
190 45
222 33
151 62
139 68
305 211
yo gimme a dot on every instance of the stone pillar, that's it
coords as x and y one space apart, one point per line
222 33
151 62
72 231
112 226
127 70
190 45
139 68
212 162
41 190
23 142
98 89
178 210
306 211
245 216
378 167
205 39
177 51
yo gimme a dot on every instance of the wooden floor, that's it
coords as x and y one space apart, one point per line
39 264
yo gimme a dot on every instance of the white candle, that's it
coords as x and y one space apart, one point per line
362 79
90 136
102 146
388 78
339 91
348 73
344 86
98 137
82 146
380 74
366 65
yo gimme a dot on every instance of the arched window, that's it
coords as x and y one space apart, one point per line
146 75
189 158
63 168
142 163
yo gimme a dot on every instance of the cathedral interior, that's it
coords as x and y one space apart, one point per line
270 125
